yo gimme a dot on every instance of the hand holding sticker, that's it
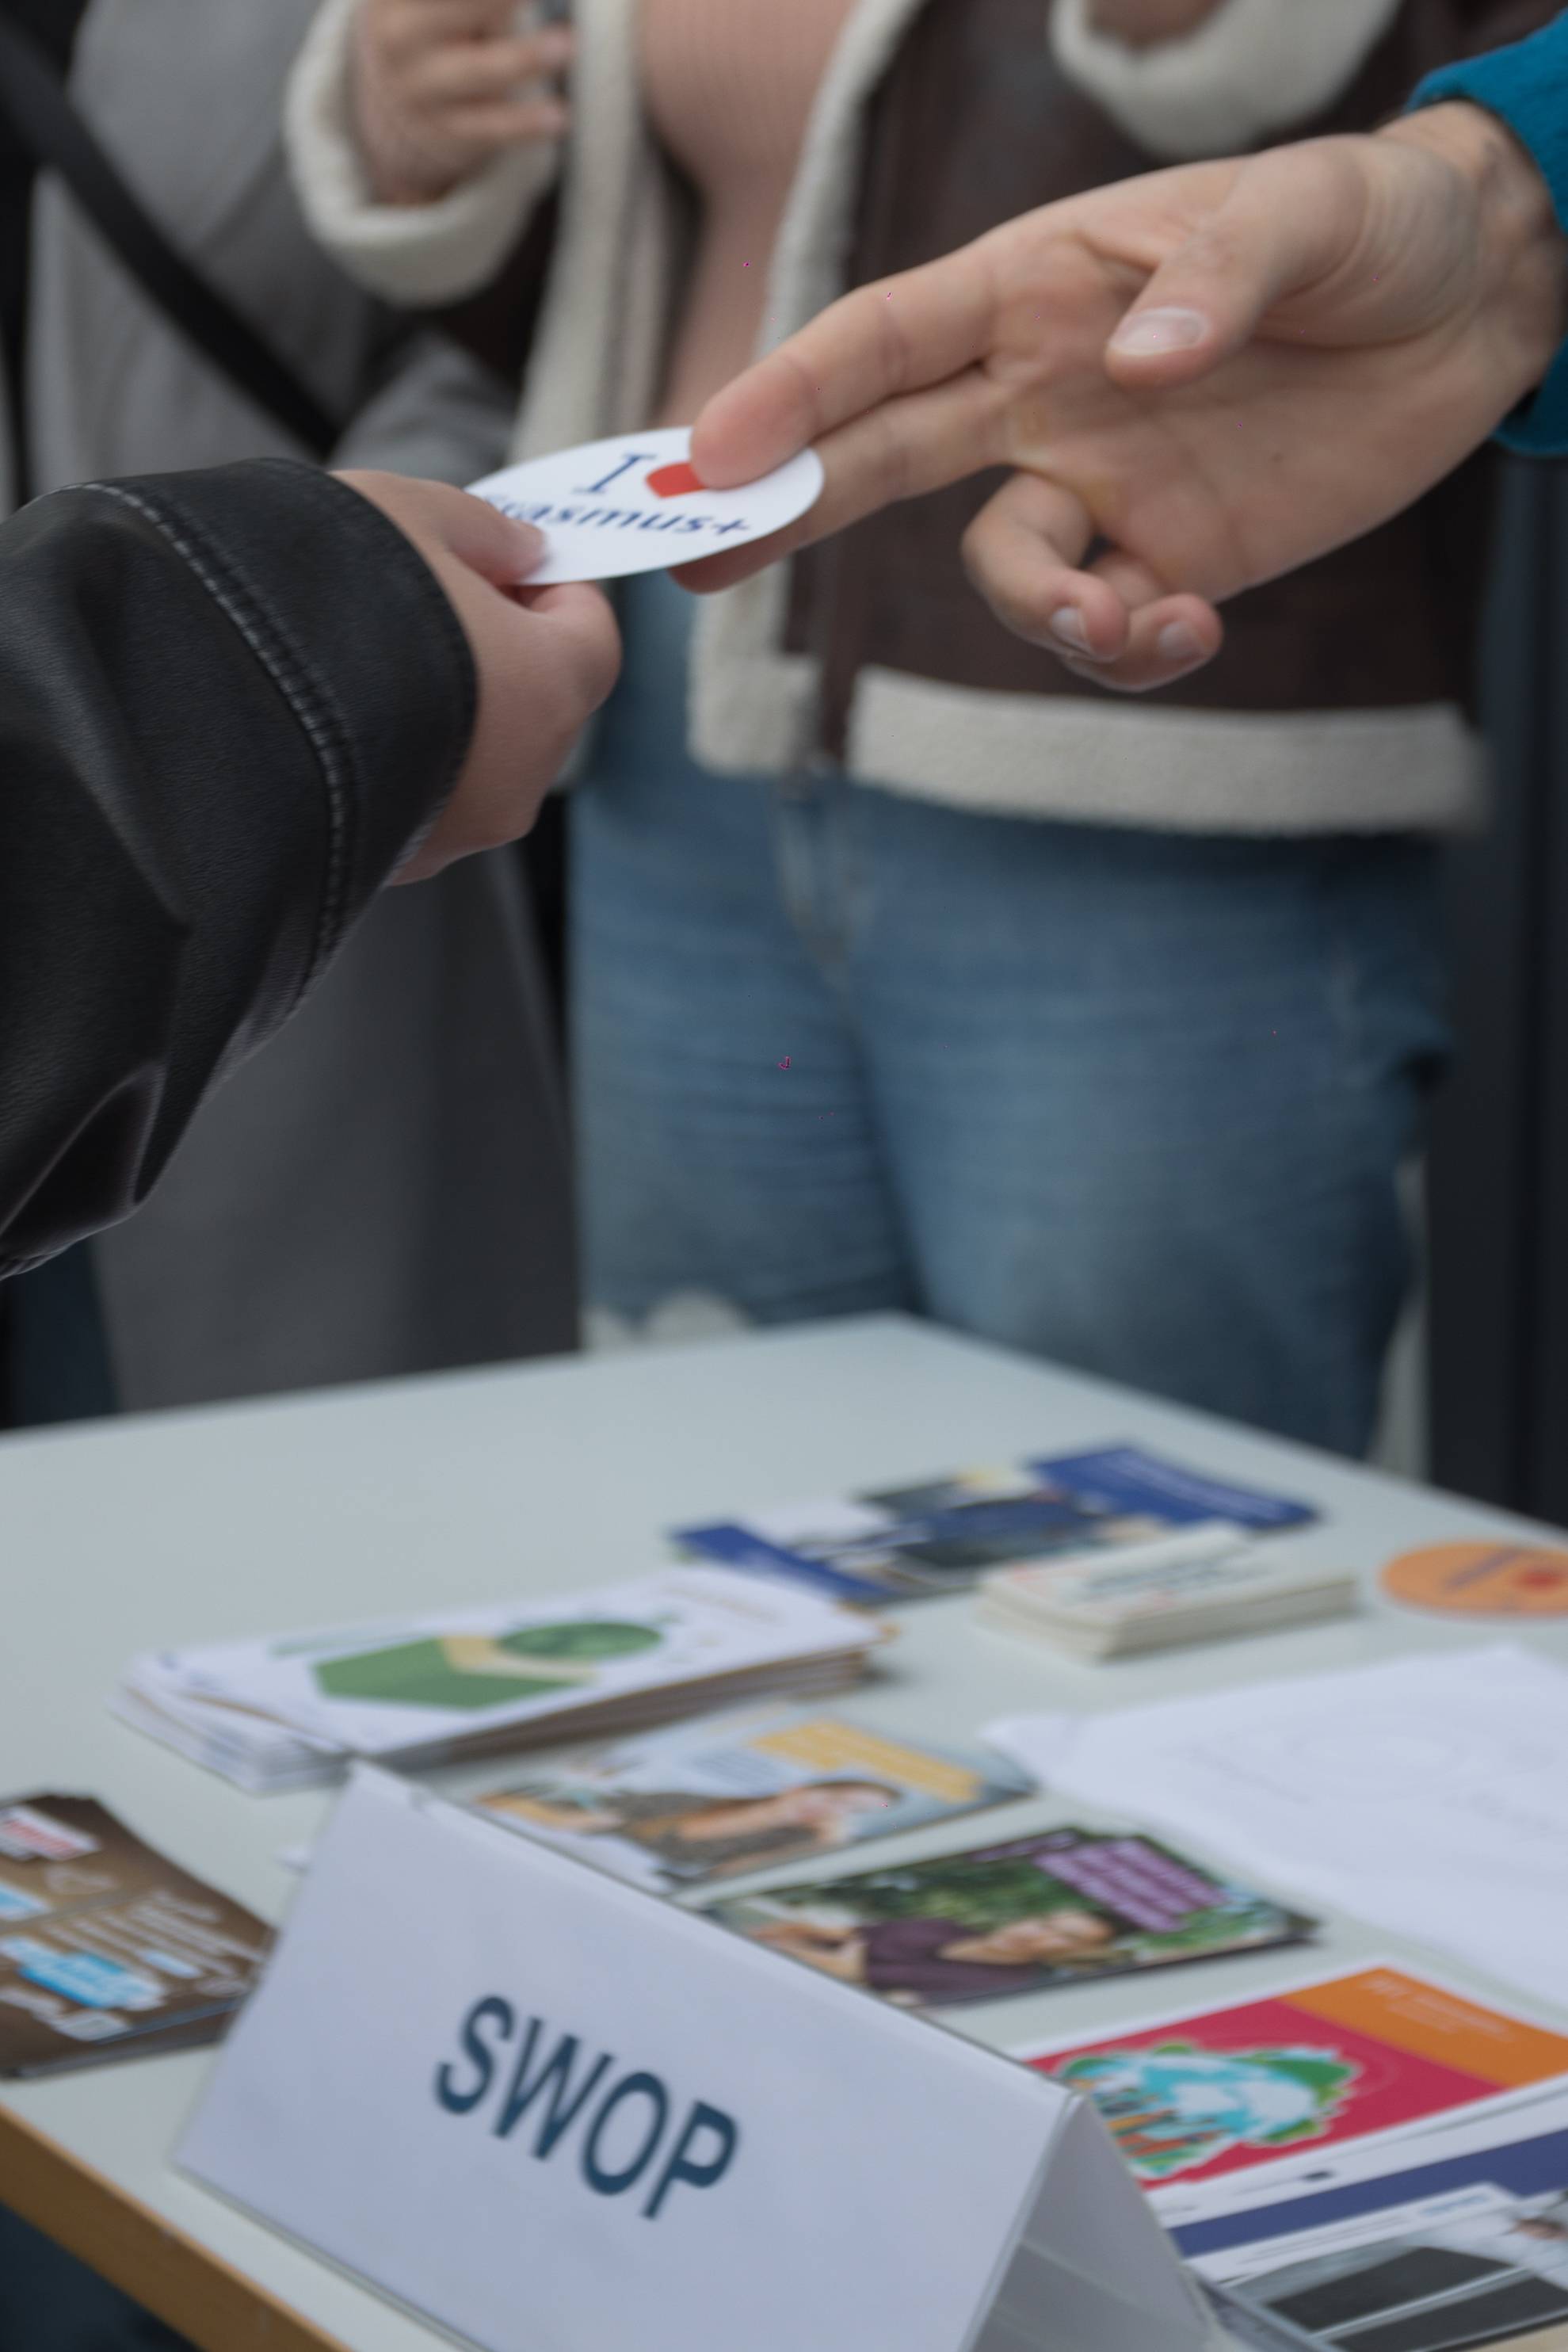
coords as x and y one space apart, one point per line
633 504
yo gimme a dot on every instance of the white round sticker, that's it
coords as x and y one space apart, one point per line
633 504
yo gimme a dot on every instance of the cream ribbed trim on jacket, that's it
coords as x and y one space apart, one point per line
411 253
1250 72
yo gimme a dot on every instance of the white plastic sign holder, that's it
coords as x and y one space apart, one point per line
555 2115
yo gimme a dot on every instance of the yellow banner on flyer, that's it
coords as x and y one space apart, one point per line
830 1744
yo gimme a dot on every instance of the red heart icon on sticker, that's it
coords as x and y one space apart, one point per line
673 481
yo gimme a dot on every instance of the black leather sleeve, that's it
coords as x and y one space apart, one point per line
229 701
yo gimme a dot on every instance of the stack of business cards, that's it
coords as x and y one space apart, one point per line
107 1950
291 1711
1203 1585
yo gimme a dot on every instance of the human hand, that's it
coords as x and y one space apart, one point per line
442 86
1210 375
798 1936
546 659
1142 24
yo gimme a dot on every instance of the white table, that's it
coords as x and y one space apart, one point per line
241 1520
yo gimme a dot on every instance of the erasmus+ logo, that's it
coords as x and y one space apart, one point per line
676 481
617 2126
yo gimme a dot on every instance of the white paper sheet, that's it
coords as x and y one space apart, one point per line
1428 1796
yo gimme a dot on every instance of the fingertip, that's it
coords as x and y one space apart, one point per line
755 423
1150 331
1069 614
716 573
1087 621
1164 343
502 547
694 578
720 455
1168 641
1179 646
1187 630
527 545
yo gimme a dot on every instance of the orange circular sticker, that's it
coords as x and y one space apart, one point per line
1484 1580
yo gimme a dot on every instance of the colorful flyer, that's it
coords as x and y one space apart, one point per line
1481 1580
940 1536
105 1947
1346 2057
715 1798
1065 1906
1426 1794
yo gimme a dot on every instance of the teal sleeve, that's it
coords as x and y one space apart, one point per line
1526 87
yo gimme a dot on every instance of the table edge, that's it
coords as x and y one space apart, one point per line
196 2292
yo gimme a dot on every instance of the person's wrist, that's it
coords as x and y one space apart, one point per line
1521 251
396 174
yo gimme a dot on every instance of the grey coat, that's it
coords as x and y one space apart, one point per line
384 1188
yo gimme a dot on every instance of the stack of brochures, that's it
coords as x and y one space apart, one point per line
289 1711
702 1801
1210 1581
107 1948
941 1535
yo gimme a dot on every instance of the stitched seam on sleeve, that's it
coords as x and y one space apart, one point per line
306 693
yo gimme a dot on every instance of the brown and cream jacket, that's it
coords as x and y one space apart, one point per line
1342 702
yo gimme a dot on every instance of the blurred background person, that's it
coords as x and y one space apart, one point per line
909 970
384 1188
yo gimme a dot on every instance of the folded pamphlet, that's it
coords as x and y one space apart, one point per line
712 1799
1065 1906
290 1711
107 1950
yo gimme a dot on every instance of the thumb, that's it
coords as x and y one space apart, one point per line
442 520
1288 220
500 548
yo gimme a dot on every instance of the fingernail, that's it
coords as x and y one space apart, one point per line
527 545
1177 642
1146 332
1068 626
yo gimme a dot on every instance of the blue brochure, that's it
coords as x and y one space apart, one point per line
902 1543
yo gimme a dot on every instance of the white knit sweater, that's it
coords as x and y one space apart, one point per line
597 354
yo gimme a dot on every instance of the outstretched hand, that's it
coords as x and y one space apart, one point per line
1202 379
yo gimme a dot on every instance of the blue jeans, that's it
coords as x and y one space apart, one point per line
1135 1101
50 2303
